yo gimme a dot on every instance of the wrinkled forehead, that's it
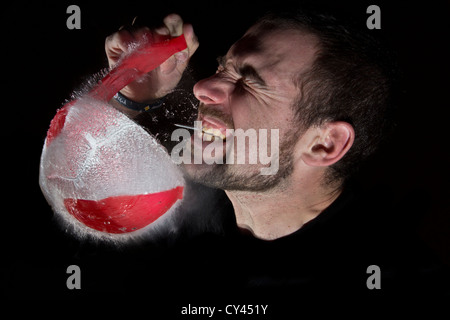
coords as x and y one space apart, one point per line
287 49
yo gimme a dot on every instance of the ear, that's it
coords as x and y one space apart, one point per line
331 143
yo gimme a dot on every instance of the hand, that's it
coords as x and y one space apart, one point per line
163 79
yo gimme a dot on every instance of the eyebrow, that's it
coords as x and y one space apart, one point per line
246 70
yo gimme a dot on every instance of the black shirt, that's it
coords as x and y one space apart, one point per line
329 255
325 260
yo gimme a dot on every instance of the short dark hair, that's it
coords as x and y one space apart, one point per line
350 80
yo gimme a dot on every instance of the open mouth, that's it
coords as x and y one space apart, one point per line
210 133
213 128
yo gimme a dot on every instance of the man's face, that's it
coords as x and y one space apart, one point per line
254 88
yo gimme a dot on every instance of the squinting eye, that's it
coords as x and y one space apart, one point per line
248 81
244 82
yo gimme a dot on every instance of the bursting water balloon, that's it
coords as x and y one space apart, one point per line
100 171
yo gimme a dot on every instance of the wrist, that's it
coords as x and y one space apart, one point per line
138 106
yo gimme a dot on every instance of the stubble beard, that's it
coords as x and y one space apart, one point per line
239 177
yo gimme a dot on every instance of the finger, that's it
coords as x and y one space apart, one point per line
174 23
168 66
116 44
164 31
173 26
142 34
182 57
118 41
161 34
191 39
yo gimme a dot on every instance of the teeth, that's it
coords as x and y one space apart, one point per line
210 132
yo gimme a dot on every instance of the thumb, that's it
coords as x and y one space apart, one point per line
169 65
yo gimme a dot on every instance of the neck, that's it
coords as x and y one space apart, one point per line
276 213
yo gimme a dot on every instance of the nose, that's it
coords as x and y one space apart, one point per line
212 90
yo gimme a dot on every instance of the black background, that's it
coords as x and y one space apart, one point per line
43 62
